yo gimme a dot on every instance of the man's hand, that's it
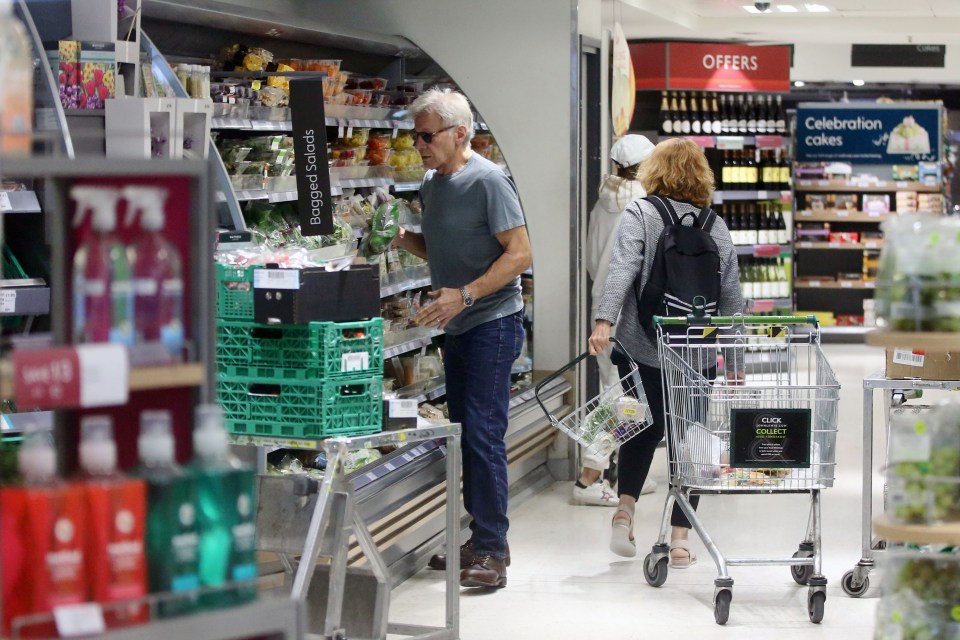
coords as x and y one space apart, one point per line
447 304
735 378
600 338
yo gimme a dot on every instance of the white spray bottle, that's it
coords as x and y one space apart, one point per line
157 273
102 309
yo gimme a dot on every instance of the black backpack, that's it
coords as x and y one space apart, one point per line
685 274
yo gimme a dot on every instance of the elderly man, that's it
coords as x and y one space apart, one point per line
475 239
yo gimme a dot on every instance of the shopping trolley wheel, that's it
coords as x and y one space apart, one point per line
815 603
853 588
801 572
721 606
655 569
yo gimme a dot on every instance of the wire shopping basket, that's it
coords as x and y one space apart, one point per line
615 415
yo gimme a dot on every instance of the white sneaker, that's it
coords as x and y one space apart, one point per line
649 486
598 494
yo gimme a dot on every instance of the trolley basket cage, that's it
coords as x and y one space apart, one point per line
767 423
605 422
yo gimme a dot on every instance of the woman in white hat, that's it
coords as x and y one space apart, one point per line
616 193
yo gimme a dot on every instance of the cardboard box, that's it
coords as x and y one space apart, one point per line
916 363
299 296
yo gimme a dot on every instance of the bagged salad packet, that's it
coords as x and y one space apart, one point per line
383 228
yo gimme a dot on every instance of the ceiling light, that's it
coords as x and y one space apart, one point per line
799 83
787 8
858 83
816 8
749 8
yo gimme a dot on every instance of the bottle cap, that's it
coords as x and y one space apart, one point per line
98 451
149 201
155 444
37 457
209 435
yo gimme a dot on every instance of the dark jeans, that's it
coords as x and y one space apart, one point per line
636 454
478 364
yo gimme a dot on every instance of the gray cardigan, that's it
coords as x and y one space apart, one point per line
634 248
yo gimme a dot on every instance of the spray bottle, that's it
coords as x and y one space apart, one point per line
116 507
225 512
157 273
172 537
42 536
101 274
16 84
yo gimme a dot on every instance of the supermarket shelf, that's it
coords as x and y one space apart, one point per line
24 297
838 215
229 123
947 534
19 202
141 378
554 388
251 194
271 125
373 117
834 284
851 246
413 278
424 391
17 422
364 182
850 332
406 186
719 197
281 196
883 186
244 124
763 250
522 365
410 345
929 341
763 305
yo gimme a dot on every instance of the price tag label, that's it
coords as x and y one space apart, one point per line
79 620
276 279
388 466
8 301
846 284
370 476
396 129
255 85
805 245
94 375
733 143
350 130
815 283
843 213
402 408
354 361
834 244
870 245
5 202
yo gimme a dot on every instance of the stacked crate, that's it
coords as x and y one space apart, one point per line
311 380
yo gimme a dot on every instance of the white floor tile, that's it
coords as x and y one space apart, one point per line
565 584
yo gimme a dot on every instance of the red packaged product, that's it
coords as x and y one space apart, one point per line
845 237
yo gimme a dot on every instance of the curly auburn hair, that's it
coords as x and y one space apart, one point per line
678 169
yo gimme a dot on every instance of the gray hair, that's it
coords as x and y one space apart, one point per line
450 106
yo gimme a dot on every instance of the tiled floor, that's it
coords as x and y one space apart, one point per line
565 584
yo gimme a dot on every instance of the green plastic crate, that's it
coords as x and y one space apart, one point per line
234 292
295 409
320 349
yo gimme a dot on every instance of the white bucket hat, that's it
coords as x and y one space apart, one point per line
630 150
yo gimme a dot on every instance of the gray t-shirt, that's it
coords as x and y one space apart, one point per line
462 213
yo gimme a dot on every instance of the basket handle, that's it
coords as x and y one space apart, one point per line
724 320
567 367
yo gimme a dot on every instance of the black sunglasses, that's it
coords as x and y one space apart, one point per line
427 137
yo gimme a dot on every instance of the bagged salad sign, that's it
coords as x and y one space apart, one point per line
770 438
874 134
314 202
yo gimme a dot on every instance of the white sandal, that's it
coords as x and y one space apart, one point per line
682 563
621 535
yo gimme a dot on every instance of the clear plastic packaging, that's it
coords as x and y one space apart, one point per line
921 592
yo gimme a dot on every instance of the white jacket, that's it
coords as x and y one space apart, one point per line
615 195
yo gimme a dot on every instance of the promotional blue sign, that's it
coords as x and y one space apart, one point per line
886 134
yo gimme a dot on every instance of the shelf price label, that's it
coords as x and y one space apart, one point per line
94 375
76 620
5 202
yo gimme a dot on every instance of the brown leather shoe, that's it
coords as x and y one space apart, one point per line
439 561
486 571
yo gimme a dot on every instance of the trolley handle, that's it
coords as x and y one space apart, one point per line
567 367
738 319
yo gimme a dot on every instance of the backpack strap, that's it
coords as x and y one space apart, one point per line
706 218
667 213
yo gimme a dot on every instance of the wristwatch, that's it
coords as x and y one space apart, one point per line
467 297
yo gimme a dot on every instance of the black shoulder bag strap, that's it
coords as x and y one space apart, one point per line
706 218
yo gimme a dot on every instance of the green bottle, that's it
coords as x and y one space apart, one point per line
172 536
226 511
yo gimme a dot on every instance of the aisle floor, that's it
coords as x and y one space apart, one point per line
564 583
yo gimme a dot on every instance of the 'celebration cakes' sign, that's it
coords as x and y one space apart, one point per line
900 133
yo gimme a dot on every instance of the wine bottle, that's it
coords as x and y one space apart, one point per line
771 118
725 170
780 124
784 171
761 115
666 120
763 228
717 117
783 233
784 280
675 111
733 224
695 122
741 115
754 237
751 116
707 124
724 114
684 116
752 178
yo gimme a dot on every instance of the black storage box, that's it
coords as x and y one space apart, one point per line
299 296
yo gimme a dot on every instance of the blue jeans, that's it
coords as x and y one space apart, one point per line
477 364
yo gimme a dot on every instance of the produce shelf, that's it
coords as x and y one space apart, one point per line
409 345
411 278
882 186
928 341
19 202
406 186
839 215
947 534
25 296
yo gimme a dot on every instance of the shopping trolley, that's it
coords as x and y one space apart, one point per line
605 422
768 425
